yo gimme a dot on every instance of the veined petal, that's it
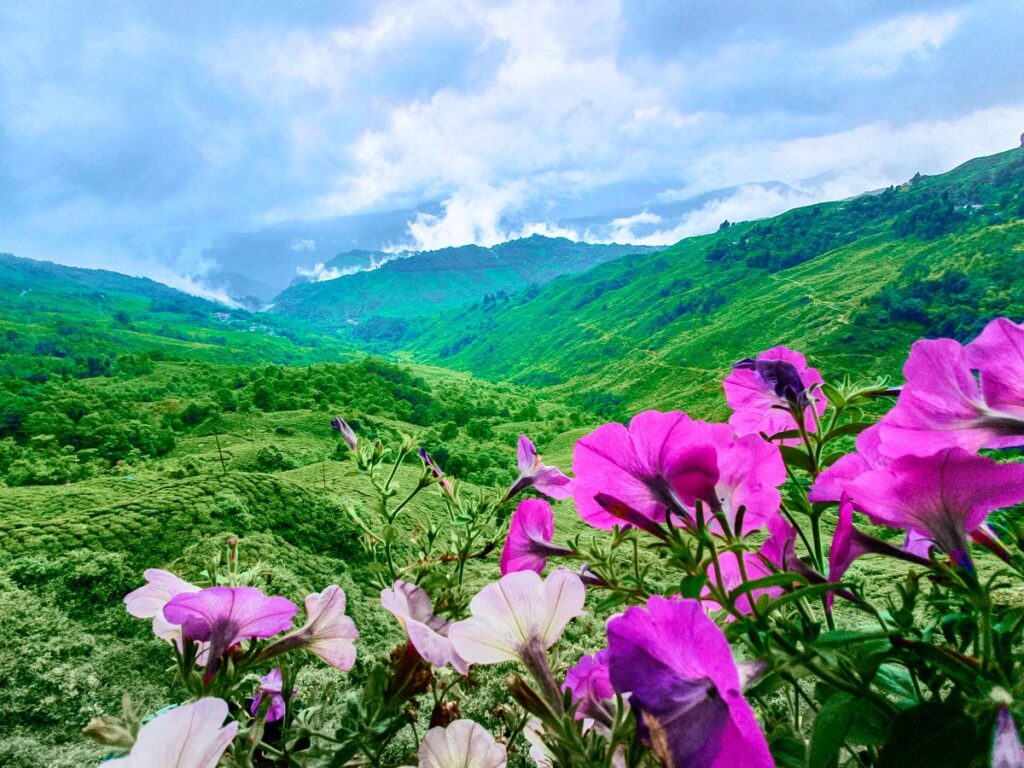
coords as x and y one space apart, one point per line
189 736
517 609
149 600
463 744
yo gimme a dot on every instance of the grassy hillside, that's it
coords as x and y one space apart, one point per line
381 305
849 283
57 320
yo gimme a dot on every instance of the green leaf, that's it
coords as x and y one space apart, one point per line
830 728
854 428
787 746
796 457
775 580
692 585
833 395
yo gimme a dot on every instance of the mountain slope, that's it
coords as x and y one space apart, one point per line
70 321
849 283
438 281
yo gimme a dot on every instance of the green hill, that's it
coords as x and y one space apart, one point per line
380 305
57 320
850 283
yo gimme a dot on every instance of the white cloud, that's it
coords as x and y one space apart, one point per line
320 272
881 50
749 202
303 245
556 114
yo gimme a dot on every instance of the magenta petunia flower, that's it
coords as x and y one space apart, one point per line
831 484
761 392
224 616
270 685
648 467
668 461
943 405
189 736
528 544
944 497
678 668
427 631
849 543
591 688
533 473
328 633
1007 751
750 473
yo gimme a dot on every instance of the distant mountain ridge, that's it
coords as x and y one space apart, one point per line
432 282
850 283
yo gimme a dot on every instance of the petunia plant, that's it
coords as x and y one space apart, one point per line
832 577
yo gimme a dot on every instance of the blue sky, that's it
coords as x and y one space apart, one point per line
155 138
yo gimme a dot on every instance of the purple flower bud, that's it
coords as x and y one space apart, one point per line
429 462
342 426
781 376
1007 751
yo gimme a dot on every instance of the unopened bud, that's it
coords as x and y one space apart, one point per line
109 731
406 443
526 697
444 714
338 424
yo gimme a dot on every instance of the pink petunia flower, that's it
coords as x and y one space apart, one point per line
328 633
270 685
667 462
831 484
518 616
427 631
942 405
645 466
849 543
533 473
463 744
761 391
224 616
944 497
189 736
591 688
677 667
528 544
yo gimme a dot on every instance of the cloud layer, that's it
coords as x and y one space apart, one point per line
156 138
